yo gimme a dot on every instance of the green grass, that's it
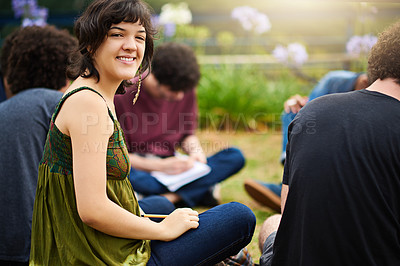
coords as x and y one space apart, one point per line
262 152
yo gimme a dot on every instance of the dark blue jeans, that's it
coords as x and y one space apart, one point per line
223 231
156 205
286 119
223 164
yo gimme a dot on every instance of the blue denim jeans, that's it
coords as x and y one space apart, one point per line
223 231
156 205
223 164
286 119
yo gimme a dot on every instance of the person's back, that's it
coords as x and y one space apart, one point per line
24 122
36 77
343 206
337 81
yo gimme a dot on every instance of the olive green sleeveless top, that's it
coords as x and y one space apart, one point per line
59 237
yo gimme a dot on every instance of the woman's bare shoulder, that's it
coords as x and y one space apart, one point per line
86 100
82 107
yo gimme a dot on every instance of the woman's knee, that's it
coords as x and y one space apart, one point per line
242 214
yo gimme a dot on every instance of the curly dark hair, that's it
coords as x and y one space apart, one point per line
93 25
383 61
175 65
5 51
39 58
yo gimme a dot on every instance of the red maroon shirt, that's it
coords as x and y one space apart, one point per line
154 125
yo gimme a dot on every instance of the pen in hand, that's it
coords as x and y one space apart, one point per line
154 215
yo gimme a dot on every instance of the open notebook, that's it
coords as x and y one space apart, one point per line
174 182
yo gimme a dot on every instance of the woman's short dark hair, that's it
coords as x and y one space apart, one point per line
38 57
383 61
175 65
93 25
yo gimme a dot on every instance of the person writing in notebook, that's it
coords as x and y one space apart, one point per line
165 119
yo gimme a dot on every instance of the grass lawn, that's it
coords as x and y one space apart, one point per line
262 151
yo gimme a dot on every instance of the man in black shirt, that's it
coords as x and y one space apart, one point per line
341 181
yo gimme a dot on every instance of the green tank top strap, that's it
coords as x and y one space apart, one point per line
59 105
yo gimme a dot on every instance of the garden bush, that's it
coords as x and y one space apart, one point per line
247 97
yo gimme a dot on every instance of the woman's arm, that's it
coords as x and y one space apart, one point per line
89 146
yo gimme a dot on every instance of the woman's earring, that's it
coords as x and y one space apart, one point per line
138 86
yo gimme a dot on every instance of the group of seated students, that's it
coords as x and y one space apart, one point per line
338 203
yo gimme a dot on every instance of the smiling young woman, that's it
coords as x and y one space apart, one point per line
122 51
85 209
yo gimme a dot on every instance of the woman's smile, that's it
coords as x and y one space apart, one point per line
126 59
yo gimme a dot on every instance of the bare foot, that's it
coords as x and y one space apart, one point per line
172 197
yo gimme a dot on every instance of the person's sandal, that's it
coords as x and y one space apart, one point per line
263 195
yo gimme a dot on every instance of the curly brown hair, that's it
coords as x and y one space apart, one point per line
93 25
5 51
175 65
38 58
383 61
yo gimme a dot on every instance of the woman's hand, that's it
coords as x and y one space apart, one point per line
178 222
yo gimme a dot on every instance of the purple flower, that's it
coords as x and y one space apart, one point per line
19 7
23 7
297 53
169 29
280 53
251 19
26 22
40 13
294 54
30 12
360 45
155 21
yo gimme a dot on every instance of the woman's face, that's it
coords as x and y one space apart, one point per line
121 53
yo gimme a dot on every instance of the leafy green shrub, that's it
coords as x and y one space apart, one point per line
245 97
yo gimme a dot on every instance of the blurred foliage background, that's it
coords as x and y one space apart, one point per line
323 25
243 84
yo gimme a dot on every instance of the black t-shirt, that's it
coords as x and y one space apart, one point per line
343 172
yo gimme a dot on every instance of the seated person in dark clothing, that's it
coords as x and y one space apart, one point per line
269 194
36 63
341 180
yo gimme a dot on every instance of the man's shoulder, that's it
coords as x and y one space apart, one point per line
45 98
332 103
43 92
37 93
